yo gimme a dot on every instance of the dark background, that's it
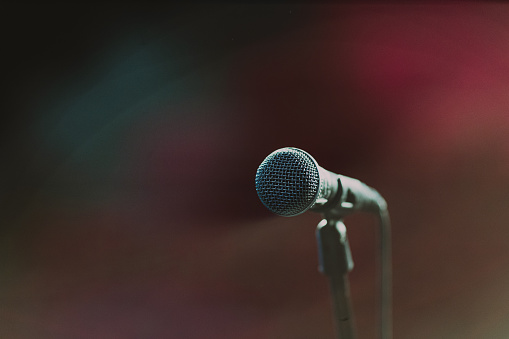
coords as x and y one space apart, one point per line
131 135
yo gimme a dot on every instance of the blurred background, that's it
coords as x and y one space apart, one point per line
131 136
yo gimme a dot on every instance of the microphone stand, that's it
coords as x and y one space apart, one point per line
336 261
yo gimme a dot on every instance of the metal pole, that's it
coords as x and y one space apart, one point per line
335 262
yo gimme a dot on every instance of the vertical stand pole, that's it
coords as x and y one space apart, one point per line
335 262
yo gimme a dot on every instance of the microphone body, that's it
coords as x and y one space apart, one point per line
289 182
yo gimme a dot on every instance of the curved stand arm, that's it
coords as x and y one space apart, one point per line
385 273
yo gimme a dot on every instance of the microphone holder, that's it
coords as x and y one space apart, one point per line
336 261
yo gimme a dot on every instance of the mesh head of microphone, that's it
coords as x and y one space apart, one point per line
288 181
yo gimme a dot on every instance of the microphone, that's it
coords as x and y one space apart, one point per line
289 182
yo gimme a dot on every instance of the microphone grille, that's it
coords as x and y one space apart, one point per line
287 181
